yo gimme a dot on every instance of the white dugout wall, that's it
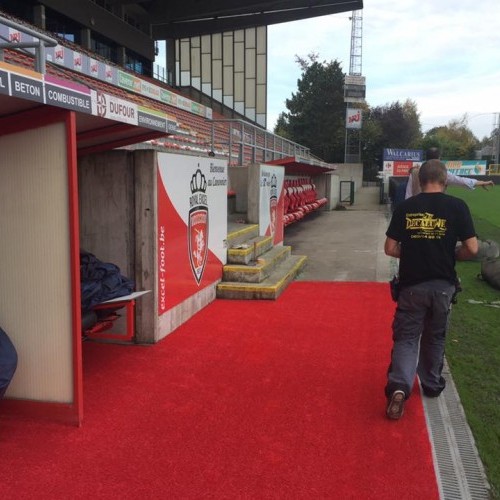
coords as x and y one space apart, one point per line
35 274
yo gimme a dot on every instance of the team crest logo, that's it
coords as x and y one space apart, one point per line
198 225
108 73
14 36
77 61
273 204
59 54
102 106
94 68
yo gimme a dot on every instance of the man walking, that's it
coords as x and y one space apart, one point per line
423 234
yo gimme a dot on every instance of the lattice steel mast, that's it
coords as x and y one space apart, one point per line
355 65
352 153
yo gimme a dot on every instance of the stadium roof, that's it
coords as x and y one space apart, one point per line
188 18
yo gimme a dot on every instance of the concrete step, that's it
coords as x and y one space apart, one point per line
240 233
259 270
244 253
270 288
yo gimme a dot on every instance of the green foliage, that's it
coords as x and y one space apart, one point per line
316 112
395 125
473 347
315 118
281 127
455 140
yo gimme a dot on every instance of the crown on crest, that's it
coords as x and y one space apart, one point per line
198 182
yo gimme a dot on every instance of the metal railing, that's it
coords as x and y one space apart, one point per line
247 143
41 41
163 74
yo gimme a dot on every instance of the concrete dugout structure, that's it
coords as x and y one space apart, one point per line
141 210
61 191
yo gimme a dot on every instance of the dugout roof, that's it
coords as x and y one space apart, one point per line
299 166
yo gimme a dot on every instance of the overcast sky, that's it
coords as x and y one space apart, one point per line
442 54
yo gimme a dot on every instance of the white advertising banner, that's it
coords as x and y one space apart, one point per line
271 202
353 119
114 108
466 167
192 225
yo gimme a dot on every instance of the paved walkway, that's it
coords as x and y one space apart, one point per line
345 245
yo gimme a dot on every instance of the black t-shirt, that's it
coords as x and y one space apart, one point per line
428 227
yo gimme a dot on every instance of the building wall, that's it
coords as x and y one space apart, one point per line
109 25
107 213
350 172
238 182
330 185
229 67
125 197
35 267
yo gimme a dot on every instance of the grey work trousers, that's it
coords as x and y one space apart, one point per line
419 333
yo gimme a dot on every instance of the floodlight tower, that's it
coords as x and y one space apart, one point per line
355 64
354 91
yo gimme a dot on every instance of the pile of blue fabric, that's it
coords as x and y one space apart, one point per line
8 361
101 281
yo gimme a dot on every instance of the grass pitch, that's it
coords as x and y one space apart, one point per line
473 343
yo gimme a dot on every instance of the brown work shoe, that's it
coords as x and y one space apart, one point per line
396 405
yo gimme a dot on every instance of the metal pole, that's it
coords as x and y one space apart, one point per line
497 148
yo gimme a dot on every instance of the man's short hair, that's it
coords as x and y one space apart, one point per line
432 154
432 171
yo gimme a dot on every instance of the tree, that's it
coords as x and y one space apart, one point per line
281 127
455 140
394 125
399 124
316 112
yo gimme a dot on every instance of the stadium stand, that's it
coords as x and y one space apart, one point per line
238 141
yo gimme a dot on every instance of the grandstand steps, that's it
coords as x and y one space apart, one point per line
256 268
252 249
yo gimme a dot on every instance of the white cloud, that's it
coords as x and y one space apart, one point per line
444 55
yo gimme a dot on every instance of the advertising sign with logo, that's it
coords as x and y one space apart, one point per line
399 168
353 118
466 167
388 168
150 119
192 226
27 85
77 61
4 83
114 108
67 95
402 168
393 154
271 202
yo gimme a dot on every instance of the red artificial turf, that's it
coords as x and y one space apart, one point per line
248 399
